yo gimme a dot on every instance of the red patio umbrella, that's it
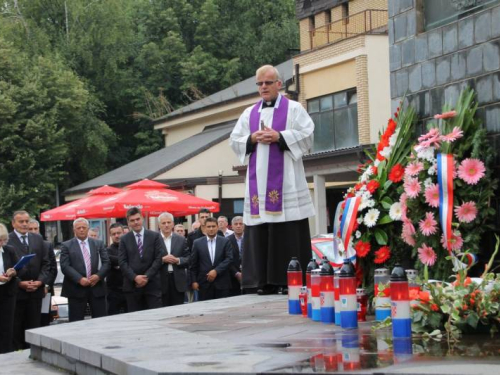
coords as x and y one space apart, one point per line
152 198
74 209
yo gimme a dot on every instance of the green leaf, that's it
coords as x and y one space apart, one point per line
386 202
385 220
387 184
472 319
381 236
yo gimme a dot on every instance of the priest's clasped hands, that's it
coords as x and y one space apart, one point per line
265 136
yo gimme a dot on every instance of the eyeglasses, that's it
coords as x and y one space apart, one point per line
268 83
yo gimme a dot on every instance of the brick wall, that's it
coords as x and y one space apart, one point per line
305 27
432 67
356 6
363 103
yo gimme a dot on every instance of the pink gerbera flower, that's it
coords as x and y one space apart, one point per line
413 169
445 115
428 225
453 136
456 241
431 139
412 187
471 171
427 255
434 132
408 233
466 212
432 195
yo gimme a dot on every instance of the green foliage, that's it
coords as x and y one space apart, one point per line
95 73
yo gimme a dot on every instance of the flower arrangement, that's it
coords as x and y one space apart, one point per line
376 233
455 150
459 307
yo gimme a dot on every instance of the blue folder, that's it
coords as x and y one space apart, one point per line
23 261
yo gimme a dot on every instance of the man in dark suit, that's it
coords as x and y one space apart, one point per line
34 227
33 279
83 279
114 281
236 240
8 291
175 261
210 260
140 262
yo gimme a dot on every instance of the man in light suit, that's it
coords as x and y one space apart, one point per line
33 277
210 260
140 260
175 261
83 279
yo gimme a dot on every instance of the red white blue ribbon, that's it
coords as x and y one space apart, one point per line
470 260
349 217
336 219
445 168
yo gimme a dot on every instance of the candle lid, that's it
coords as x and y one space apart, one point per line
381 272
294 265
347 269
398 273
312 265
326 268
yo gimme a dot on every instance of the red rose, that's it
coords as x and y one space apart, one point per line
358 186
374 170
362 248
382 254
372 186
397 173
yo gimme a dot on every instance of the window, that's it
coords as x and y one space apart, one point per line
328 17
335 118
441 12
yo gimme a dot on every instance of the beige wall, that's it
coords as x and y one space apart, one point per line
377 48
207 163
331 79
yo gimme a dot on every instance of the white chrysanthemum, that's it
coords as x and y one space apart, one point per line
360 220
432 170
371 217
363 204
426 153
428 182
370 203
357 234
395 211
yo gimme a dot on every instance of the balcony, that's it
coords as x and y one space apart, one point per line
370 21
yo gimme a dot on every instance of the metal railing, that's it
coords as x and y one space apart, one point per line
370 21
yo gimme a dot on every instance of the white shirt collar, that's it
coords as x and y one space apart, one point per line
141 233
209 239
1 250
19 235
86 240
166 238
276 105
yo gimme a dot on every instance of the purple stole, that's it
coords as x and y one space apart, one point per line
276 163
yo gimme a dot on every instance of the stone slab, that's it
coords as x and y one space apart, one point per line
243 335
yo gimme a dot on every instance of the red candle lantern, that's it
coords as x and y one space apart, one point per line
400 303
362 300
312 265
348 301
327 294
294 275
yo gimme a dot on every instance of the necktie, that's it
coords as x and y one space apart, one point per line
212 255
139 244
26 247
86 258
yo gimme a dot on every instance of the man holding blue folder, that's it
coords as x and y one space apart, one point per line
33 277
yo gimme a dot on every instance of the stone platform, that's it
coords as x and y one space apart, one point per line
245 335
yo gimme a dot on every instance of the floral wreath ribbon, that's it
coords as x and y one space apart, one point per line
349 217
276 163
446 166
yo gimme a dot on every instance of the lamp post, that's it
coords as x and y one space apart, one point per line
220 187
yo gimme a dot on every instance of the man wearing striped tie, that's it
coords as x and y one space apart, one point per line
140 259
83 275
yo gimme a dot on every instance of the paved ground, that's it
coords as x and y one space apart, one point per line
247 335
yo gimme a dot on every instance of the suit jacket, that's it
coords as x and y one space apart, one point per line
235 265
114 280
201 263
179 249
73 268
9 260
38 269
52 274
132 264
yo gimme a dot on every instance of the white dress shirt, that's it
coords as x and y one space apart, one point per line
2 269
211 242
19 235
168 245
142 237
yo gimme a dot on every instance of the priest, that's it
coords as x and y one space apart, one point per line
274 133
